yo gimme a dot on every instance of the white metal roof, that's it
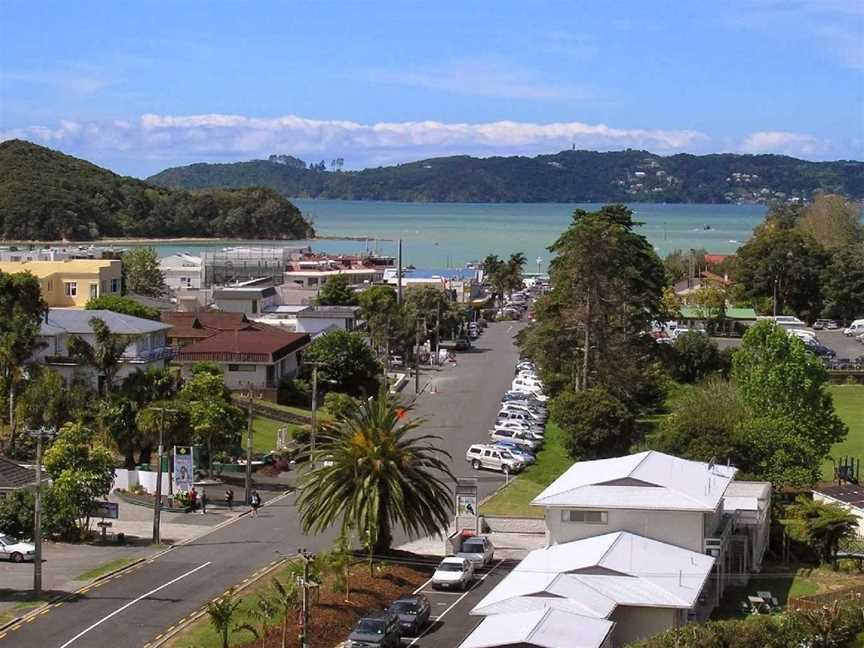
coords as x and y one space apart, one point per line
75 320
597 574
547 628
645 480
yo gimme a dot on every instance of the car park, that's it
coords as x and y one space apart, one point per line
376 631
453 573
478 550
413 612
14 550
490 457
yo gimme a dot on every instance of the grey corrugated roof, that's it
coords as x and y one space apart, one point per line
74 320
328 312
14 476
244 293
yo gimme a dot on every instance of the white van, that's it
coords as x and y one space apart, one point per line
788 321
855 329
527 384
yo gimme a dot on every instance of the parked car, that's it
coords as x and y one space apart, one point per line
525 417
538 417
820 324
453 573
855 329
517 436
413 612
788 321
16 551
536 394
536 432
832 325
478 549
481 455
396 362
376 631
522 453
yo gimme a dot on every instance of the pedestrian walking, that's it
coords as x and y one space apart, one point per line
255 500
203 502
193 498
229 499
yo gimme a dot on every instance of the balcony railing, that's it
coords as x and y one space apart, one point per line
716 544
153 355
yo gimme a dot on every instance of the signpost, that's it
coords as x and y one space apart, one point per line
466 503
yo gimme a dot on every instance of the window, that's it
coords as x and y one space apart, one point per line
70 288
587 517
115 285
185 282
94 291
50 286
241 367
104 287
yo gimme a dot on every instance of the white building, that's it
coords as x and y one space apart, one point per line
250 300
148 346
541 628
182 271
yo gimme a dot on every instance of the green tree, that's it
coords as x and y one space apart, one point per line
213 418
349 365
340 405
45 400
23 308
16 514
789 260
595 423
702 423
793 423
82 471
263 612
710 302
371 472
389 328
833 221
428 304
221 613
821 525
104 356
142 274
692 357
122 305
844 284
336 292
287 597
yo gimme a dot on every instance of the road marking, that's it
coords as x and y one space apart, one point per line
454 604
131 603
420 589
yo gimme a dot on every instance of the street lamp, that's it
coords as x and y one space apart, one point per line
250 397
43 432
315 364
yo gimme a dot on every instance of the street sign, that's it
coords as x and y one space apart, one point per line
466 503
105 510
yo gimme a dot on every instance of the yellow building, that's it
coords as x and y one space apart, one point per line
72 282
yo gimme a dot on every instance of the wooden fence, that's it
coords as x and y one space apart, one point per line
817 601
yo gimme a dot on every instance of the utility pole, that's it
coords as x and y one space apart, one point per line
437 331
399 274
250 397
42 432
417 355
157 500
307 558
314 365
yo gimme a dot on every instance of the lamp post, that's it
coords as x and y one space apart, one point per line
41 433
314 364
250 397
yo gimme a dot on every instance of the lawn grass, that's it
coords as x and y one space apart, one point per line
849 404
514 500
264 431
101 570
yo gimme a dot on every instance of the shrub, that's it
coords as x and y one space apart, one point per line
595 423
294 391
340 405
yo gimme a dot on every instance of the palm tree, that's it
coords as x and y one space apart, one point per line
221 612
822 526
263 612
286 598
371 472
105 356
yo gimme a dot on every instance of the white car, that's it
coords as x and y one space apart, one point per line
481 455
478 550
517 436
15 551
454 572
855 329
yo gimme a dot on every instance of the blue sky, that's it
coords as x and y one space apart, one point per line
139 86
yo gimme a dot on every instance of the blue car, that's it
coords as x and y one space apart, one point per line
520 452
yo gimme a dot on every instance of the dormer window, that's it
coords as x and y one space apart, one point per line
585 517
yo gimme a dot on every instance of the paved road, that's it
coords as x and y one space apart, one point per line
132 609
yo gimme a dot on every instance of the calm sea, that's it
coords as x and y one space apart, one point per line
451 234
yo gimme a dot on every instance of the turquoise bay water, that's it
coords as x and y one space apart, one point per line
451 234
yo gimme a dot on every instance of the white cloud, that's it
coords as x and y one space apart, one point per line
784 142
72 82
240 137
484 79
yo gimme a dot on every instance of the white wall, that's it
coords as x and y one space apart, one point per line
857 512
636 623
313 325
680 528
128 479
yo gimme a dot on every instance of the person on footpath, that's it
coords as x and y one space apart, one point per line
193 498
203 502
229 499
255 501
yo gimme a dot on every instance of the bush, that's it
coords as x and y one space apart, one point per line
294 391
595 423
122 305
16 514
339 405
692 357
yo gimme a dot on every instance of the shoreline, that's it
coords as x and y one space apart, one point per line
182 239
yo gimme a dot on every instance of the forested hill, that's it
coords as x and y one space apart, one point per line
47 195
569 176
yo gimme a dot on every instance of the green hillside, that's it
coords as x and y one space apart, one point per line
47 195
569 176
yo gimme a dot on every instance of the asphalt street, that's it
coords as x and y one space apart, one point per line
136 607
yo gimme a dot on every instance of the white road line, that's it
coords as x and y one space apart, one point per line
131 603
454 604
420 589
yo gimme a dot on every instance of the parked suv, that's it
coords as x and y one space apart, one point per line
488 456
376 631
